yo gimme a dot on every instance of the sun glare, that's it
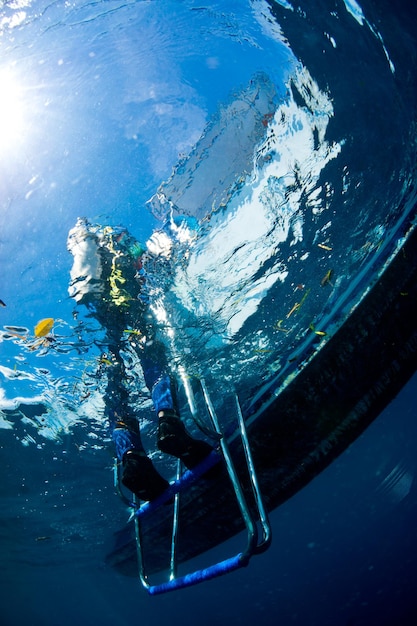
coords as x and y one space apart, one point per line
11 111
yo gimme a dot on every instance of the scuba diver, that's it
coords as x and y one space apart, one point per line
109 278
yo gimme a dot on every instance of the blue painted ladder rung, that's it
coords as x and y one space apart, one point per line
188 478
201 575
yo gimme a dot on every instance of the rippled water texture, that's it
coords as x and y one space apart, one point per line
288 132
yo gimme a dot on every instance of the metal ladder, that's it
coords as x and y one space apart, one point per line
255 544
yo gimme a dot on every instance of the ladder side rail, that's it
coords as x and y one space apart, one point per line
240 496
141 566
262 512
175 528
192 404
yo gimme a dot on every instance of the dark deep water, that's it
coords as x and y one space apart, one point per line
344 548
111 96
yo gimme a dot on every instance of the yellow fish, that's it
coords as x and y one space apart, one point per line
133 332
320 333
43 327
105 361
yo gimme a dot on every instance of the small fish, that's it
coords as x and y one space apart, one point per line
324 247
278 326
298 305
105 361
43 327
304 297
294 309
2 303
326 279
133 332
320 333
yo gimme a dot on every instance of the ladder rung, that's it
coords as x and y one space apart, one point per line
201 575
188 478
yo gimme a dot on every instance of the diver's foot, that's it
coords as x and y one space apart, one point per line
173 439
140 476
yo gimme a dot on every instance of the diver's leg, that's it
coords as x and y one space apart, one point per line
173 438
141 477
138 475
155 371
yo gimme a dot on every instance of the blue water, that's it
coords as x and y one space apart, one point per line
119 111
